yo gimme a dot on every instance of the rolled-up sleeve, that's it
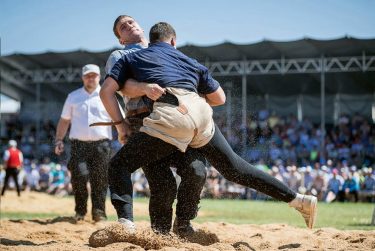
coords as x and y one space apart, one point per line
112 59
207 84
119 72
67 108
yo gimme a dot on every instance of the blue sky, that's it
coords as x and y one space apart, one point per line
35 26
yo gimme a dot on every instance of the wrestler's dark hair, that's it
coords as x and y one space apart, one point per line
116 22
161 32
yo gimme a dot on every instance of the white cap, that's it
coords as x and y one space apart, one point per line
90 68
353 168
12 143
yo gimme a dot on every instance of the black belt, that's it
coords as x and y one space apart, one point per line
169 99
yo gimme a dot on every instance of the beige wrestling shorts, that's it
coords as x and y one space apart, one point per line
189 124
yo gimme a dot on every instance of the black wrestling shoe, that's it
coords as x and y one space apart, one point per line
98 218
183 228
79 217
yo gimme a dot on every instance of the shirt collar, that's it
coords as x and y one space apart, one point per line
134 46
161 44
95 92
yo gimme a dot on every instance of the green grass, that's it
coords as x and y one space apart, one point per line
336 215
26 216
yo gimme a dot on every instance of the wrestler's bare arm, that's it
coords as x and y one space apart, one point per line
133 89
216 98
108 97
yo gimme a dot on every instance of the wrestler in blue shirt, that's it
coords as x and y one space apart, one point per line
163 64
162 183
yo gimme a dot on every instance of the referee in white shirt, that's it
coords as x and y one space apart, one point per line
90 146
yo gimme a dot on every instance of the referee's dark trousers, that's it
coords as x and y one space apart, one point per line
89 162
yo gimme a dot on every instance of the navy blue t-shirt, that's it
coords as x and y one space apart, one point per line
161 63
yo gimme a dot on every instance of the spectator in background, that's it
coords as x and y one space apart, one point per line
350 188
293 178
308 178
2 175
44 170
334 186
57 181
356 178
90 150
275 152
368 185
32 177
276 173
13 160
27 148
319 185
140 184
212 187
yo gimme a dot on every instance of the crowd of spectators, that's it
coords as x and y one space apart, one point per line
271 138
44 176
26 136
282 146
327 183
290 150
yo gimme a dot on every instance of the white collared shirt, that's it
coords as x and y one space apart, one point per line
83 109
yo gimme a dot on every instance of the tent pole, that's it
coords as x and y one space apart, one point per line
336 112
244 115
37 136
322 105
299 108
